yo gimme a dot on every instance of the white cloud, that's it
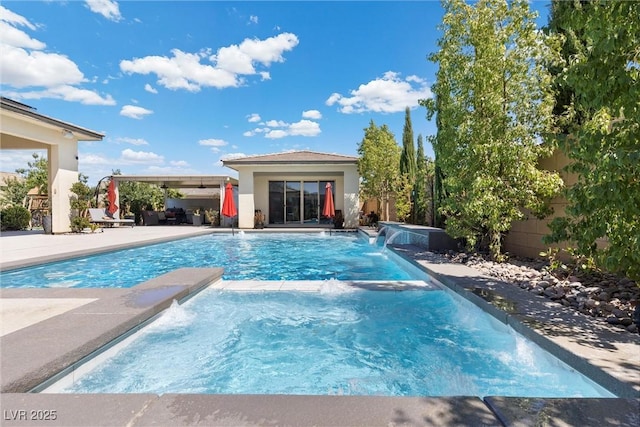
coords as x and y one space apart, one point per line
333 98
129 156
8 16
253 118
185 70
132 141
21 68
304 128
276 134
25 65
278 129
107 8
150 88
10 160
414 78
134 112
93 159
12 36
179 163
214 143
275 129
181 71
387 94
231 156
276 123
66 93
253 19
312 114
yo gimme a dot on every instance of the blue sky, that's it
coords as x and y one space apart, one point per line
177 86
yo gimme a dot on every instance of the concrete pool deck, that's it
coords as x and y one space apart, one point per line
82 320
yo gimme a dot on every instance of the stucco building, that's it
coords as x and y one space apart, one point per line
22 128
289 188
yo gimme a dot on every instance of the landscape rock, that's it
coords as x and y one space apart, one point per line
597 294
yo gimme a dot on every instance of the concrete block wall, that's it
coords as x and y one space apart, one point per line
525 236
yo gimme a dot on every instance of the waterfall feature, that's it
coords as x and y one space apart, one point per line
392 235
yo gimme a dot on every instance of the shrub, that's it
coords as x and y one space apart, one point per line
15 218
79 223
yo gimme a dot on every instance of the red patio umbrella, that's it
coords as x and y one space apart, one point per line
229 205
328 209
111 197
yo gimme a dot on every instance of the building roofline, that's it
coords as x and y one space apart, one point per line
26 110
260 159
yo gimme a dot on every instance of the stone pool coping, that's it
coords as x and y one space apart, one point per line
44 348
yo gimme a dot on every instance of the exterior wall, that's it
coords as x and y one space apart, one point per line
525 237
63 173
351 196
246 200
254 188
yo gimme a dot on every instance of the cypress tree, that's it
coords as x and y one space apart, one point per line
408 163
408 156
420 199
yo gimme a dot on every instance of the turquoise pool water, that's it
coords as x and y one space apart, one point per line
264 256
335 342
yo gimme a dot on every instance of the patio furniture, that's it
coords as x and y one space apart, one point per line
100 216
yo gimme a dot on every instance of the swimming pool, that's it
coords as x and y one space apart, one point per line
263 256
340 341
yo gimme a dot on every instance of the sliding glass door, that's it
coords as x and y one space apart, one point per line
297 202
292 204
276 202
311 202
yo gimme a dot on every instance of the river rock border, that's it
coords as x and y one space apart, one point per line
600 295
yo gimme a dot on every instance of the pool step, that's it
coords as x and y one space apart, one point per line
323 285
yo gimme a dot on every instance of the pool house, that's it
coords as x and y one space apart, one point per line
289 188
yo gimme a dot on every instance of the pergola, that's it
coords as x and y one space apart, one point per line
192 186
22 128
179 181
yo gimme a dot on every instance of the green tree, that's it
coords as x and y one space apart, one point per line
80 202
408 165
13 192
37 174
493 105
420 198
572 45
378 165
602 140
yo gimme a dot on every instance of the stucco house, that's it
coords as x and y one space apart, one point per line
289 188
22 128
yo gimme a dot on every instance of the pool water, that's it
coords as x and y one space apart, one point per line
340 341
264 256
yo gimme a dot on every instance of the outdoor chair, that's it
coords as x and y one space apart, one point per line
100 216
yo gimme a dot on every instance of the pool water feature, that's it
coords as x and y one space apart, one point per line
246 256
339 341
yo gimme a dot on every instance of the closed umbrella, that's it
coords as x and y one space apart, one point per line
111 198
229 205
329 209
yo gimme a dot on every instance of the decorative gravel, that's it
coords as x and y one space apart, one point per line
605 296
